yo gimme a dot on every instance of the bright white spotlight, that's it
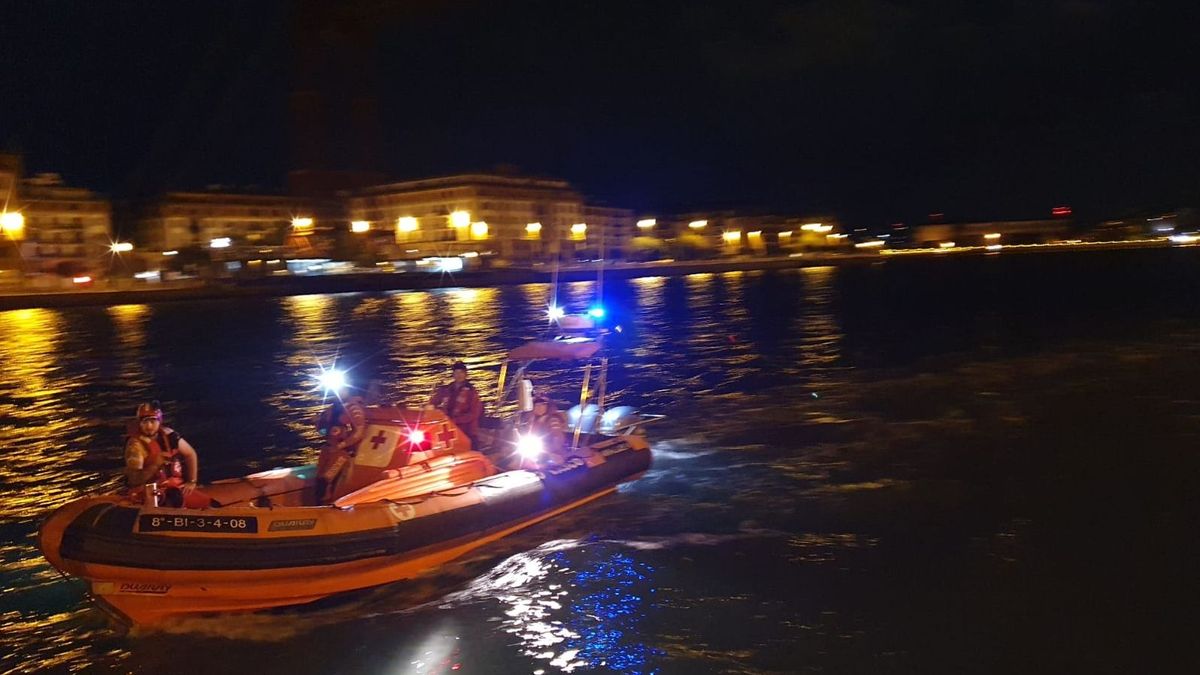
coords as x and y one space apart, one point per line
332 379
555 312
529 446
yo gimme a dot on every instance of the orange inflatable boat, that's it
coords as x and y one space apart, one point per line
270 544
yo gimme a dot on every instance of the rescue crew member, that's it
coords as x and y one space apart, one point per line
549 424
343 424
460 402
158 454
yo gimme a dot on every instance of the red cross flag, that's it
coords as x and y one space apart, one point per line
377 446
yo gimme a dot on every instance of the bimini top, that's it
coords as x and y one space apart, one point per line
567 348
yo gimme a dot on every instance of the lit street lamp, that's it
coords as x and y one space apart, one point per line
12 223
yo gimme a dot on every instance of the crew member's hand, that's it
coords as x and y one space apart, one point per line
187 488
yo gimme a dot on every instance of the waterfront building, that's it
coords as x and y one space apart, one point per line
181 219
49 227
609 228
987 233
518 219
730 233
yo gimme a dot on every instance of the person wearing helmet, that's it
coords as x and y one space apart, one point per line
157 454
460 402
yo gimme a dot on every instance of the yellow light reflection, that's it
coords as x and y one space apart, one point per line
312 318
36 396
417 323
312 322
537 297
821 334
424 323
130 321
467 296
29 341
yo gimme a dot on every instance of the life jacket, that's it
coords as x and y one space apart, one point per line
334 415
461 403
165 443
553 420
338 423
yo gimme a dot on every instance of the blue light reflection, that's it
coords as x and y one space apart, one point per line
574 605
605 620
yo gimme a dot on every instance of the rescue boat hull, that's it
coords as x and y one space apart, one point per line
149 564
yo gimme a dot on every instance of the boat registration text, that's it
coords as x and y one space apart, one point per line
198 523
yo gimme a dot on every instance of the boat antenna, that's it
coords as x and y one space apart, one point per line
554 276
600 272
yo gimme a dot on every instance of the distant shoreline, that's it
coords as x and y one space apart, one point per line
386 281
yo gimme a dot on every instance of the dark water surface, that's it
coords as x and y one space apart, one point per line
963 465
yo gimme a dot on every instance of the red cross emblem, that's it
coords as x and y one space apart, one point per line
447 436
378 440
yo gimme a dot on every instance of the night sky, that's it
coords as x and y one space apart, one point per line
878 112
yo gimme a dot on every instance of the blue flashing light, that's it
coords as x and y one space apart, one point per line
596 312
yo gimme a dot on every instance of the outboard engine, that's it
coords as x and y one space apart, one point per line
612 421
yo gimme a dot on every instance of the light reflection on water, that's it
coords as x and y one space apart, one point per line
72 376
570 605
820 334
782 472
45 430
